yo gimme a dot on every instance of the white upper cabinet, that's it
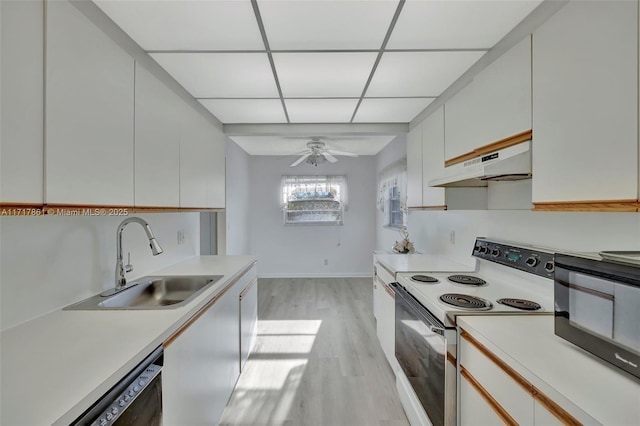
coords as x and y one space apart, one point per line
157 139
414 167
585 103
494 106
433 158
21 124
202 162
89 112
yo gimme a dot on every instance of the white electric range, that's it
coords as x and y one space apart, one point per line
511 279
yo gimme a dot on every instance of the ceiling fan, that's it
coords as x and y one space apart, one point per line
317 153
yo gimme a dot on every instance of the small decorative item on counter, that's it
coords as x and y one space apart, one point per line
404 246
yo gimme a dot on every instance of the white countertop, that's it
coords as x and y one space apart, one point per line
54 367
561 370
423 263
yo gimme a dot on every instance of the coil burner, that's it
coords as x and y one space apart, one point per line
525 305
464 301
424 279
467 280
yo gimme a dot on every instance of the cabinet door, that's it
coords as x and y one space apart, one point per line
386 326
473 409
495 105
21 124
202 162
248 320
89 112
157 138
433 158
585 103
201 366
414 167
216 169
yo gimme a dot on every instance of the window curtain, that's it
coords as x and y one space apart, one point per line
394 174
298 187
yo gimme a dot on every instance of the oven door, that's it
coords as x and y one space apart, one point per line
596 308
135 401
422 348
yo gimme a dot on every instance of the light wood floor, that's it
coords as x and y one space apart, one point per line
317 360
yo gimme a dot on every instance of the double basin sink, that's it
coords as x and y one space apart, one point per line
155 292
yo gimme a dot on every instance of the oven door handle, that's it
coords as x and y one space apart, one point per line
437 330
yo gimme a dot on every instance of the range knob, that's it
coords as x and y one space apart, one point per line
531 261
484 249
495 252
549 266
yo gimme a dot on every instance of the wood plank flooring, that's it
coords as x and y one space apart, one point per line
317 360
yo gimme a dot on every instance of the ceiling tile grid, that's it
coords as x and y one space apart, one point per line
316 61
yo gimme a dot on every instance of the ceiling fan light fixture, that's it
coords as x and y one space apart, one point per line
315 159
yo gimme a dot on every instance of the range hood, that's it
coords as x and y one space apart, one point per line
508 164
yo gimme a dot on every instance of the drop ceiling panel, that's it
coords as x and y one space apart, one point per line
187 25
456 24
246 110
290 145
313 25
419 73
320 110
323 74
390 110
221 75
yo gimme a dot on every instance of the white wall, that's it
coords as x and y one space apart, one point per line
574 231
300 250
394 151
49 262
238 186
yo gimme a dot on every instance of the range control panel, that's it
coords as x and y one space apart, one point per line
528 259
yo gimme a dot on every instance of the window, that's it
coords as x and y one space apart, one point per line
392 194
314 199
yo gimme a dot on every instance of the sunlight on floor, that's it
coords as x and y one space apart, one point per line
276 367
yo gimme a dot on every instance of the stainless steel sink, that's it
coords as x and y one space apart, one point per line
157 292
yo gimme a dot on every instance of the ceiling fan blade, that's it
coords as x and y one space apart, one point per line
346 154
329 157
300 160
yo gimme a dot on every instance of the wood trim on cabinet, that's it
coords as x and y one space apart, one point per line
489 148
108 210
205 308
389 290
495 405
548 403
20 209
589 206
248 287
443 207
528 387
557 411
452 359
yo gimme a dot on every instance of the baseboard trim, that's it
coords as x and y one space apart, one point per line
311 275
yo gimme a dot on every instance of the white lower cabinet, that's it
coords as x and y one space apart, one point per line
385 307
491 392
474 409
248 320
202 364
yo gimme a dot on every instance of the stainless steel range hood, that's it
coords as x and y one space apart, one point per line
508 164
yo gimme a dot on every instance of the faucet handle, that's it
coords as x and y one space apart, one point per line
128 267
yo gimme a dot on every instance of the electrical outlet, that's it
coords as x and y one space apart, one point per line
326 262
181 236
452 237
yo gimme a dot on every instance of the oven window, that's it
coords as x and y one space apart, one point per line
422 354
